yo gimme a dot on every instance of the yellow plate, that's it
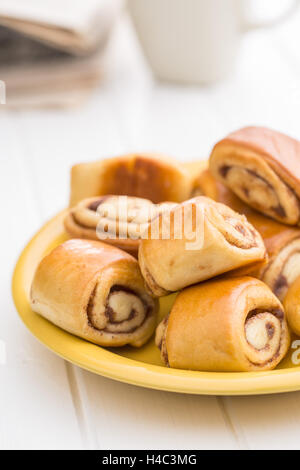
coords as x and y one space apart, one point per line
135 366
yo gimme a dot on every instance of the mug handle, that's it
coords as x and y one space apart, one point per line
252 25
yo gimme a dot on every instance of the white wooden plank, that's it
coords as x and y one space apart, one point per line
128 417
268 422
36 405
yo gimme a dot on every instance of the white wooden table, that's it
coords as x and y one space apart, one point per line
48 403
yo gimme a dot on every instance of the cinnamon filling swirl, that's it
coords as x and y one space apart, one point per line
160 340
93 206
85 213
124 311
275 198
263 333
284 269
236 229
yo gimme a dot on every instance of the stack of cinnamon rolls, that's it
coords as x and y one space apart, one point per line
224 236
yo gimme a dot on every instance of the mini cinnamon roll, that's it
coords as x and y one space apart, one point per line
94 291
262 167
117 220
149 176
292 306
282 242
225 325
195 241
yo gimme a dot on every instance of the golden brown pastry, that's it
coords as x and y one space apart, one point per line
262 167
94 291
232 324
282 241
117 220
147 176
292 306
200 239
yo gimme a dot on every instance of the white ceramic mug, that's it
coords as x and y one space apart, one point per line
192 41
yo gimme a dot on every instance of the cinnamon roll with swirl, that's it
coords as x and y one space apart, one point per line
230 325
195 241
117 220
282 242
147 176
262 167
94 291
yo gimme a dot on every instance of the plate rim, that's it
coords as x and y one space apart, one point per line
130 371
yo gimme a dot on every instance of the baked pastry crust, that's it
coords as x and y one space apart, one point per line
94 291
292 306
282 241
204 239
225 325
149 176
262 167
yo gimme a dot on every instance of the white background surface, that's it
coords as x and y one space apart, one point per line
48 403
